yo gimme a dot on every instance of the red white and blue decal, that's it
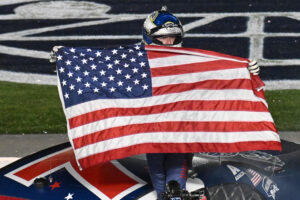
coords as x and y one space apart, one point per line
111 180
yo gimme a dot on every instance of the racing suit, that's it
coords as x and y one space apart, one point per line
164 167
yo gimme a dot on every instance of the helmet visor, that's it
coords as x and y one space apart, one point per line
167 40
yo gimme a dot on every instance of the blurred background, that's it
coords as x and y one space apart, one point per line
30 109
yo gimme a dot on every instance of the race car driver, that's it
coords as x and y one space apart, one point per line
163 28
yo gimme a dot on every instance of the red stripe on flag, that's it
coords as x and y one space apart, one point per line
257 85
151 48
175 148
207 85
176 106
184 126
10 198
159 54
196 67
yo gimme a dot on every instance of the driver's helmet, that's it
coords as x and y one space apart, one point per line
162 23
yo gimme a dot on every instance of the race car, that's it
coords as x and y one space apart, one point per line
53 173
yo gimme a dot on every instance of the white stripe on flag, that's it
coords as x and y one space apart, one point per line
193 116
228 74
175 137
212 95
255 179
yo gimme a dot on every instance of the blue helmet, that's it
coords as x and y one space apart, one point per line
162 23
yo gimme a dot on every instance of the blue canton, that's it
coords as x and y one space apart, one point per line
88 74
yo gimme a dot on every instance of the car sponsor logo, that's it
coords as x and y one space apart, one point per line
270 187
110 180
237 173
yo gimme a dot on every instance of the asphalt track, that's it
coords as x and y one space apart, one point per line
16 146
13 147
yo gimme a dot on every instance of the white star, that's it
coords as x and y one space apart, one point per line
142 64
64 82
59 57
78 79
144 75
111 77
95 78
107 58
103 84
93 67
121 47
137 47
87 84
79 91
120 83
98 53
84 61
72 50
66 95
112 89
89 50
119 71
77 68
130 50
86 73
132 59
124 55
70 74
96 90
82 54
72 87
90 58
129 88
68 62
135 70
102 72
117 62
127 76
140 53
70 196
126 65
136 82
61 70
109 66
115 51
75 56
145 87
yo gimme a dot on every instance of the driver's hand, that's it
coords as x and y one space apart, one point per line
52 53
253 67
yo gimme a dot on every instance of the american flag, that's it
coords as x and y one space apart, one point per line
254 176
148 99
